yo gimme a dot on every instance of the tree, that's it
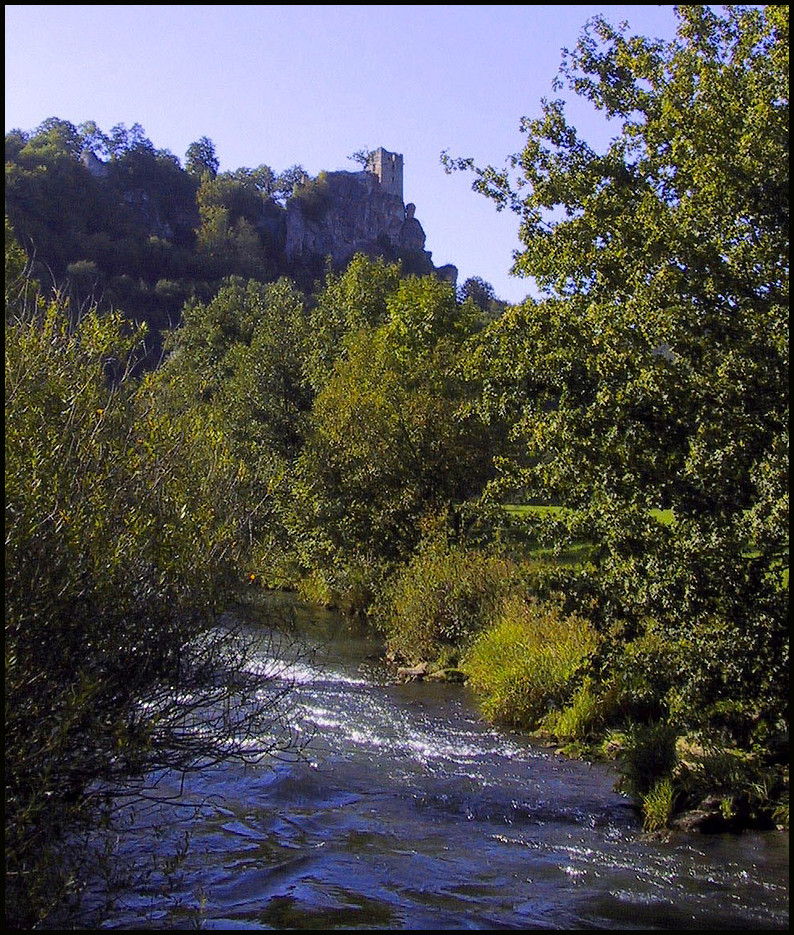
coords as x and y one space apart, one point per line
57 136
348 301
16 140
122 141
237 215
388 445
268 399
237 362
262 179
244 352
362 156
479 291
655 372
134 218
123 532
50 197
93 139
482 294
17 283
287 181
200 158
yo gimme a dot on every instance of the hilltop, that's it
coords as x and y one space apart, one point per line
109 218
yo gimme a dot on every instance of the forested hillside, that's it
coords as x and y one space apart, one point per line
111 220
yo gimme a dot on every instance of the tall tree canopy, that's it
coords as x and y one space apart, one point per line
655 371
388 445
201 159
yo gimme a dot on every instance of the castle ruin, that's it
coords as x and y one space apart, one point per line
360 212
388 167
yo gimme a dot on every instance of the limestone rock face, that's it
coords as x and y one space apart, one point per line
343 213
412 235
96 167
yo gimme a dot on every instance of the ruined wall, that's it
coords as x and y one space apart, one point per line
340 214
388 167
356 215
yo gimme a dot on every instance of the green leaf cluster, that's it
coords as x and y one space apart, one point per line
653 371
441 599
124 531
389 443
530 660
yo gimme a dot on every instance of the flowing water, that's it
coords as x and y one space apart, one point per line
408 812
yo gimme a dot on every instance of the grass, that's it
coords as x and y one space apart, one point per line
523 509
579 720
575 553
666 517
528 661
658 805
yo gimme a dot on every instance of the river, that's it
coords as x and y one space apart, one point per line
408 812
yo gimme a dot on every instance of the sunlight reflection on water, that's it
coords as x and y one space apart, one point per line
409 812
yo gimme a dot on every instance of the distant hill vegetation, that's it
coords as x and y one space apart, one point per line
111 219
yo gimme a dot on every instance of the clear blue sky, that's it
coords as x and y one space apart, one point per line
313 84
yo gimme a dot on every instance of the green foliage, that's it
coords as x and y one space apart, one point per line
241 229
18 285
530 660
266 400
582 718
658 805
79 196
347 302
440 599
422 313
388 442
346 418
122 534
649 754
475 289
654 373
641 674
313 197
237 362
267 319
289 181
132 216
742 781
200 158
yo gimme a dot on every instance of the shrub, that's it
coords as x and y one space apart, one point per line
120 533
658 805
441 599
314 197
649 755
745 784
579 719
642 672
529 662
349 585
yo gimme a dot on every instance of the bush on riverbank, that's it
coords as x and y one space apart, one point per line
529 662
122 525
437 602
537 666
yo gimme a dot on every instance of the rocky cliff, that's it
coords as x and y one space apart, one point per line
339 214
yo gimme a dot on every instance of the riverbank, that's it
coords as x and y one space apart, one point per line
530 639
410 811
710 792
676 780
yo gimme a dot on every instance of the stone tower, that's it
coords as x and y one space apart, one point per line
388 167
